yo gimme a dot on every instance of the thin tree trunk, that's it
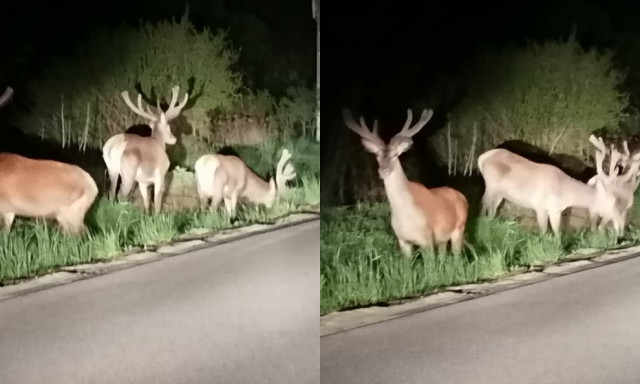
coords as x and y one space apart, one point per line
316 14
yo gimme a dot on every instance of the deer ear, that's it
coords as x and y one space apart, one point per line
402 146
592 181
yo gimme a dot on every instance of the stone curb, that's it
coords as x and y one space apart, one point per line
137 256
336 322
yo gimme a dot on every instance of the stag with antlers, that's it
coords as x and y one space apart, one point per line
546 189
623 185
144 160
420 216
227 177
49 189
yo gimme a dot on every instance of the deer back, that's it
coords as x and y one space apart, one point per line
33 187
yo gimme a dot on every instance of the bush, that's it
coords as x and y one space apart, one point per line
552 95
79 99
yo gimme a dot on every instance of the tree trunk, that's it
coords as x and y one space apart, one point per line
316 14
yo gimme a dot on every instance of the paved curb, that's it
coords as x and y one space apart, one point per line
132 258
337 322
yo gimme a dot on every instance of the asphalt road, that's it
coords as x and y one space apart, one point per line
582 328
243 312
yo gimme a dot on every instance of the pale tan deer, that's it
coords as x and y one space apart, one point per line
420 216
140 159
624 185
227 177
44 189
544 188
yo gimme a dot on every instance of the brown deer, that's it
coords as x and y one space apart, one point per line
227 177
44 189
420 216
624 185
140 159
545 188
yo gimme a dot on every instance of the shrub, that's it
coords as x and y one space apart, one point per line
552 94
79 99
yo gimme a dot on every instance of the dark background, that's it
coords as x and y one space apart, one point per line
379 58
33 31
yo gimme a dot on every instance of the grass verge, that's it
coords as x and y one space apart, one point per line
360 262
34 247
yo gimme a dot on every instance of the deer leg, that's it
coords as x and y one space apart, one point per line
593 220
113 183
202 198
457 238
555 219
8 221
405 247
144 191
234 202
543 221
158 189
215 202
486 203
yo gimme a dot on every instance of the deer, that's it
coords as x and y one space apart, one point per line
36 188
143 160
545 188
228 177
420 216
623 186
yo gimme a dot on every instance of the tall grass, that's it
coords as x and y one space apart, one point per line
361 264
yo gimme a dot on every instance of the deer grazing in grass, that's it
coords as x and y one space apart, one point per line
420 216
140 159
624 185
227 177
44 189
545 188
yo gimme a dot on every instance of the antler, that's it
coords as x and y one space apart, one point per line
601 152
173 111
424 119
613 163
6 96
147 114
284 173
362 129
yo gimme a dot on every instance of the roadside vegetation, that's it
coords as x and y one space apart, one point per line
362 265
34 247
76 106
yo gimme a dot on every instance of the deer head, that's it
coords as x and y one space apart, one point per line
159 121
284 172
625 160
387 154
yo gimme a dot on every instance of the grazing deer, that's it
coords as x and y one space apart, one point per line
44 189
624 185
228 177
545 188
420 216
140 159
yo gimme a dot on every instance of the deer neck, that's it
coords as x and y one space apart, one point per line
157 137
396 186
259 191
578 194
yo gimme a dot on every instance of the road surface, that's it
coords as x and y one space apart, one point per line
582 328
243 312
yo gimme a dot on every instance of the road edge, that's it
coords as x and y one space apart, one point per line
179 246
342 321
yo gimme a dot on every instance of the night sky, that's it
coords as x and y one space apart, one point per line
379 57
